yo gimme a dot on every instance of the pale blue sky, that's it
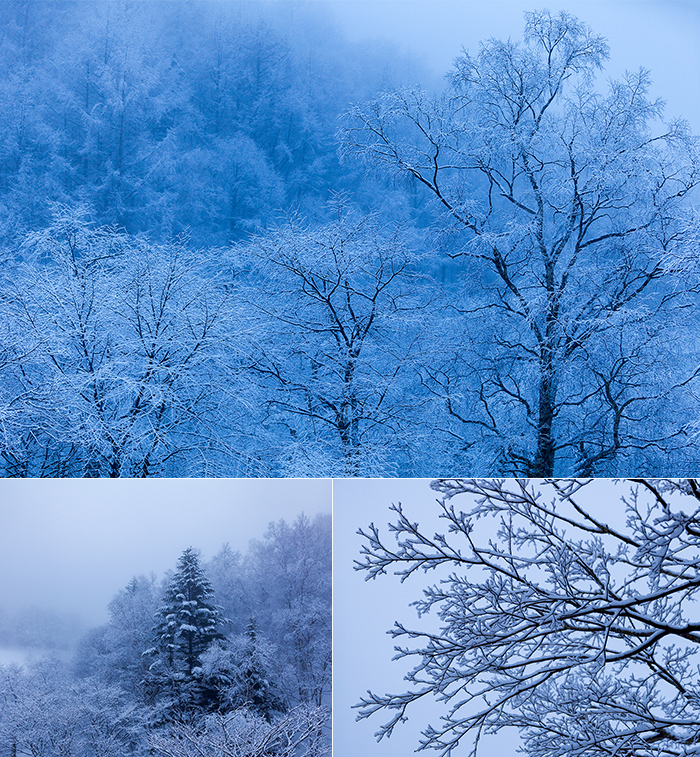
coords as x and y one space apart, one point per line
363 611
72 544
660 36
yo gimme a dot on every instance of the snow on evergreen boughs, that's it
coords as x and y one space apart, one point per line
189 621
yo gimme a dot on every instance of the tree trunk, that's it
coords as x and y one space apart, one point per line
543 464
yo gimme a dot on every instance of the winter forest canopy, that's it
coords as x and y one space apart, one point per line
231 657
235 243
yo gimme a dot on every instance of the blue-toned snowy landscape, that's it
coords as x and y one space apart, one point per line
243 239
223 651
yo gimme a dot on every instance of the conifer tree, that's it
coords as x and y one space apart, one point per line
189 621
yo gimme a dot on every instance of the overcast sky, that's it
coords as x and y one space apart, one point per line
364 611
72 544
660 36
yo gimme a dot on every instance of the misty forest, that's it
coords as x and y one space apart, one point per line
236 244
228 657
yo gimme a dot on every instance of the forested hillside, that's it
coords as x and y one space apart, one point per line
236 244
165 117
231 657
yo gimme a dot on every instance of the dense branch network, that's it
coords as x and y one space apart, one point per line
568 614
565 203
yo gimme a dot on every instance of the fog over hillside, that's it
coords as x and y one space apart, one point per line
227 642
281 239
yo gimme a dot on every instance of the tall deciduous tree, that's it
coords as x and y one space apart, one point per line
114 652
339 302
290 589
564 201
567 613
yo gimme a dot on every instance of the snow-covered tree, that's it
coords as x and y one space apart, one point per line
38 713
338 308
114 652
188 621
238 675
44 712
117 343
562 203
565 609
228 573
255 690
290 583
241 734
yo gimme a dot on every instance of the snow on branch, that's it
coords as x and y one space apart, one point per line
568 614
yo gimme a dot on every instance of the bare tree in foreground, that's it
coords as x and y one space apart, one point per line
569 614
337 309
239 734
563 203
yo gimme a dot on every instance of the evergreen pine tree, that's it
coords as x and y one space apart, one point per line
189 621
186 625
